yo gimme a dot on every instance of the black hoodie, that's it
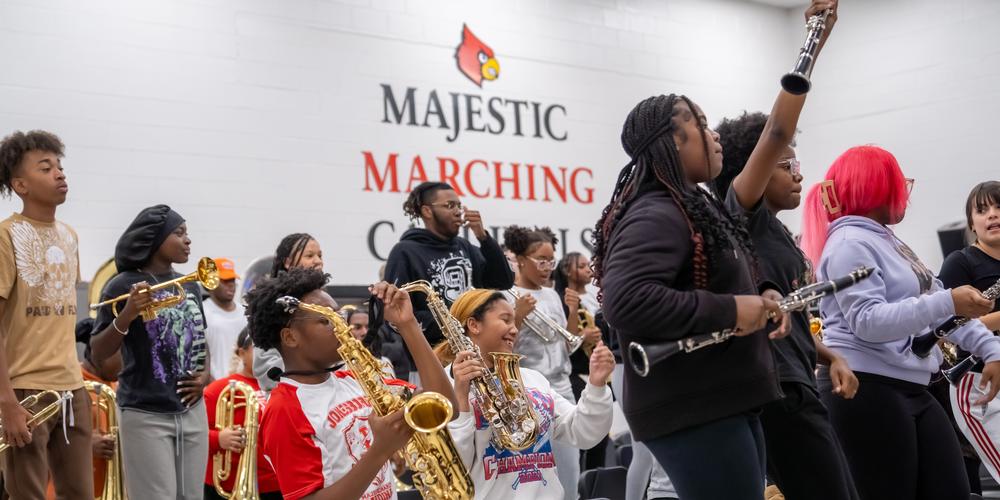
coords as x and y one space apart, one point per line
451 266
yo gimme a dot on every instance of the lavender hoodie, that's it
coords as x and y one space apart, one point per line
872 323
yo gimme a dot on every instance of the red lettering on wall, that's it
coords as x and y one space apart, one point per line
448 175
468 179
389 173
588 191
551 181
514 179
417 173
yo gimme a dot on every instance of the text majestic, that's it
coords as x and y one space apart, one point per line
457 112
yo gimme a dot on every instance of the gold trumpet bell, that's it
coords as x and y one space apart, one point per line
207 274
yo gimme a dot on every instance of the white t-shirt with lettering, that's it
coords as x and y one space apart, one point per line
313 434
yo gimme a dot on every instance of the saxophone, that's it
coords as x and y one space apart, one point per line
438 471
500 397
106 421
245 486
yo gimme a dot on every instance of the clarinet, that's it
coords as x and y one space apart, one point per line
797 81
642 357
922 345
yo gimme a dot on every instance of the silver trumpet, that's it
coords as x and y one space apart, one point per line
540 324
797 81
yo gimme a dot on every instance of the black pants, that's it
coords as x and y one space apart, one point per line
723 459
898 441
211 494
804 457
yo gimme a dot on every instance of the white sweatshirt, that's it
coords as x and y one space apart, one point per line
531 473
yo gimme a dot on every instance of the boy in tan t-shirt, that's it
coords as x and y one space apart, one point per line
39 268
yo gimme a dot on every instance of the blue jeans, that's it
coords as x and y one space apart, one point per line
723 459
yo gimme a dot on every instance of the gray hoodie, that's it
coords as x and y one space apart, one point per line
872 323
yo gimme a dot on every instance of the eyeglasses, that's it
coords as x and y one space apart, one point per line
909 185
543 264
792 165
451 205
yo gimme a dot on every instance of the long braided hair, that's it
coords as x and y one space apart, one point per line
647 137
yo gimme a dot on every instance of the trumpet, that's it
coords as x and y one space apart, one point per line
540 324
106 420
40 416
642 357
207 274
797 81
245 487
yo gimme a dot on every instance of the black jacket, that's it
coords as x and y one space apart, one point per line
649 297
451 266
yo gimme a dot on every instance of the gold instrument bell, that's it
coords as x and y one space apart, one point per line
207 274
104 410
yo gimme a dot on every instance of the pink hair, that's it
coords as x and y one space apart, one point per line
864 178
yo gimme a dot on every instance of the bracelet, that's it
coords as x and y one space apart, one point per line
119 330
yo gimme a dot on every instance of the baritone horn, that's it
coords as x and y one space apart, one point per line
106 422
797 80
207 274
41 415
245 486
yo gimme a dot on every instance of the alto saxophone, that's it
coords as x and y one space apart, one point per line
245 485
500 397
106 422
438 471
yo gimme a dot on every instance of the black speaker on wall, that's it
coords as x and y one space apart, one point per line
953 236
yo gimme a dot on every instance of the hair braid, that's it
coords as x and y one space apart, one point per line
647 136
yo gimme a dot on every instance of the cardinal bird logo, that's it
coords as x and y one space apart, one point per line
475 58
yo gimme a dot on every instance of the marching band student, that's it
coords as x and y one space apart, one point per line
534 250
297 250
103 443
672 262
163 428
571 277
760 178
897 438
318 430
488 320
435 252
39 270
234 438
978 265
371 338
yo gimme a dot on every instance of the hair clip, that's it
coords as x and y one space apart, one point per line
829 197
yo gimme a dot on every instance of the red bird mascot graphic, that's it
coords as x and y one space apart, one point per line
475 59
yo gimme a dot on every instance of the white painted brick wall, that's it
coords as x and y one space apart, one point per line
922 79
249 116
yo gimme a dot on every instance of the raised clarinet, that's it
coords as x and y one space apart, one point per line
642 357
797 80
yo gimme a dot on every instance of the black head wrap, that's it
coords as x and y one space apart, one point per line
144 236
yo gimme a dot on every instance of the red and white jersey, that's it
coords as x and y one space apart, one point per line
313 434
